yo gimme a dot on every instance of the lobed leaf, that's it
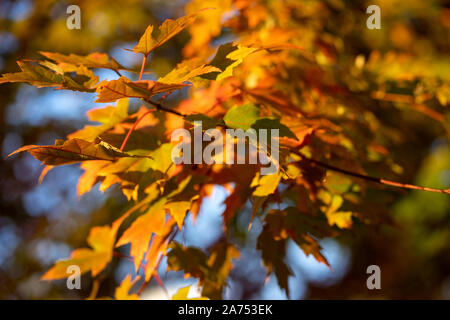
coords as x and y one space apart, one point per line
110 91
73 150
41 76
151 40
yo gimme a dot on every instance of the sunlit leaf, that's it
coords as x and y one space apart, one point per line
73 150
110 91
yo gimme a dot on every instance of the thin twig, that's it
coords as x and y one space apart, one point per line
160 107
370 178
132 129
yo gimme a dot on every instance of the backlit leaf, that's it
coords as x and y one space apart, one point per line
73 150
40 76
110 91
151 40
122 291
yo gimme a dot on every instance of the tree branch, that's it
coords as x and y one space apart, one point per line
370 178
382 181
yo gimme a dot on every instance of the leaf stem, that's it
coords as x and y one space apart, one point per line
124 143
144 61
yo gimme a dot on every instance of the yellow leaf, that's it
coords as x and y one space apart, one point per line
266 184
187 70
151 40
140 231
108 117
122 292
110 91
342 219
101 240
182 294
178 210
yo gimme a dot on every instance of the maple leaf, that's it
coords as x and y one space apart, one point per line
153 219
101 240
273 252
182 294
108 117
187 70
266 184
228 56
140 231
110 91
122 291
73 150
157 249
168 29
92 60
212 271
242 117
90 176
207 122
342 219
279 224
40 76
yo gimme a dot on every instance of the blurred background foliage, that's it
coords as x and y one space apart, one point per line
407 57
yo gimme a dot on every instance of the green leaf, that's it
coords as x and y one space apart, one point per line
242 117
207 122
273 123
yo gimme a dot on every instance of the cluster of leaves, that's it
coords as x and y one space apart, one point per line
263 79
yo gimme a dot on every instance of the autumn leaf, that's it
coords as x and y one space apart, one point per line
92 60
212 271
187 70
242 117
230 55
40 76
327 105
101 240
108 117
157 249
273 251
110 91
182 294
122 291
90 176
237 57
140 231
266 184
151 40
153 217
207 122
342 219
73 150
